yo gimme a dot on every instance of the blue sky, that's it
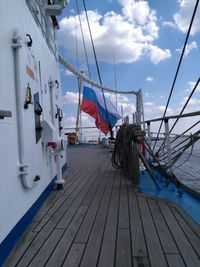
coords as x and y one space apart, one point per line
146 38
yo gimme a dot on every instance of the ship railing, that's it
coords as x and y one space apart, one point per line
165 151
86 135
37 9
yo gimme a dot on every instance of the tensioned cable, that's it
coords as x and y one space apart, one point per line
179 64
185 105
92 41
115 75
84 44
182 134
196 85
98 70
173 148
194 138
77 52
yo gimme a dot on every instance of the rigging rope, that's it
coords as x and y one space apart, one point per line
83 77
84 44
98 70
194 138
177 70
185 105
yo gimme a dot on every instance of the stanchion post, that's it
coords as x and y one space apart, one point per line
167 136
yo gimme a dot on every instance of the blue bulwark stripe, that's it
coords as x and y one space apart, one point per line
12 238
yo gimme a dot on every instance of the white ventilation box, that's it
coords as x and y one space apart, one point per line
49 132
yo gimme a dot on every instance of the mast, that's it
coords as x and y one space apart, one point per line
78 109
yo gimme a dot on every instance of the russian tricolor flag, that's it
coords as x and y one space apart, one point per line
93 104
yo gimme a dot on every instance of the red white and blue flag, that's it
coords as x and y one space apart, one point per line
93 104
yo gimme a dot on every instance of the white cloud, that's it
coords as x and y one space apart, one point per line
188 49
150 79
169 24
183 16
70 121
191 85
70 98
87 121
131 34
169 110
138 11
192 102
154 111
181 19
157 54
149 104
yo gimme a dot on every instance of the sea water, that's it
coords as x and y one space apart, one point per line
187 167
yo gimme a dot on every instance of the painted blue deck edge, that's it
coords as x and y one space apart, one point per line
189 206
12 238
82 145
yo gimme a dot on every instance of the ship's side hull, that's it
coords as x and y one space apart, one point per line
35 67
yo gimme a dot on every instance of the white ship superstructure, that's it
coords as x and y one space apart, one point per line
31 137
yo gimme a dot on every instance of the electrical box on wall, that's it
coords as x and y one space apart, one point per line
49 132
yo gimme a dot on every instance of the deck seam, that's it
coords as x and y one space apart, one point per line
185 233
50 231
63 193
157 231
137 202
101 199
71 221
94 223
116 232
172 234
181 254
129 217
79 228
105 221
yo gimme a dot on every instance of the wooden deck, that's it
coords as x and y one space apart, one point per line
98 220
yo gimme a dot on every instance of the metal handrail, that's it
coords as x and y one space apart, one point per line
191 114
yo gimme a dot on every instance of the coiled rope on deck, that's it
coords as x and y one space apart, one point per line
122 156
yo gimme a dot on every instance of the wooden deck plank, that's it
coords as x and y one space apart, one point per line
64 222
137 234
91 253
47 248
70 191
86 226
194 225
187 252
107 252
21 248
166 238
123 207
175 260
74 256
141 262
191 235
60 203
99 220
155 251
64 245
123 253
42 236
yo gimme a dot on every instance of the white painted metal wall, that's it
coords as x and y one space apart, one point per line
15 200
